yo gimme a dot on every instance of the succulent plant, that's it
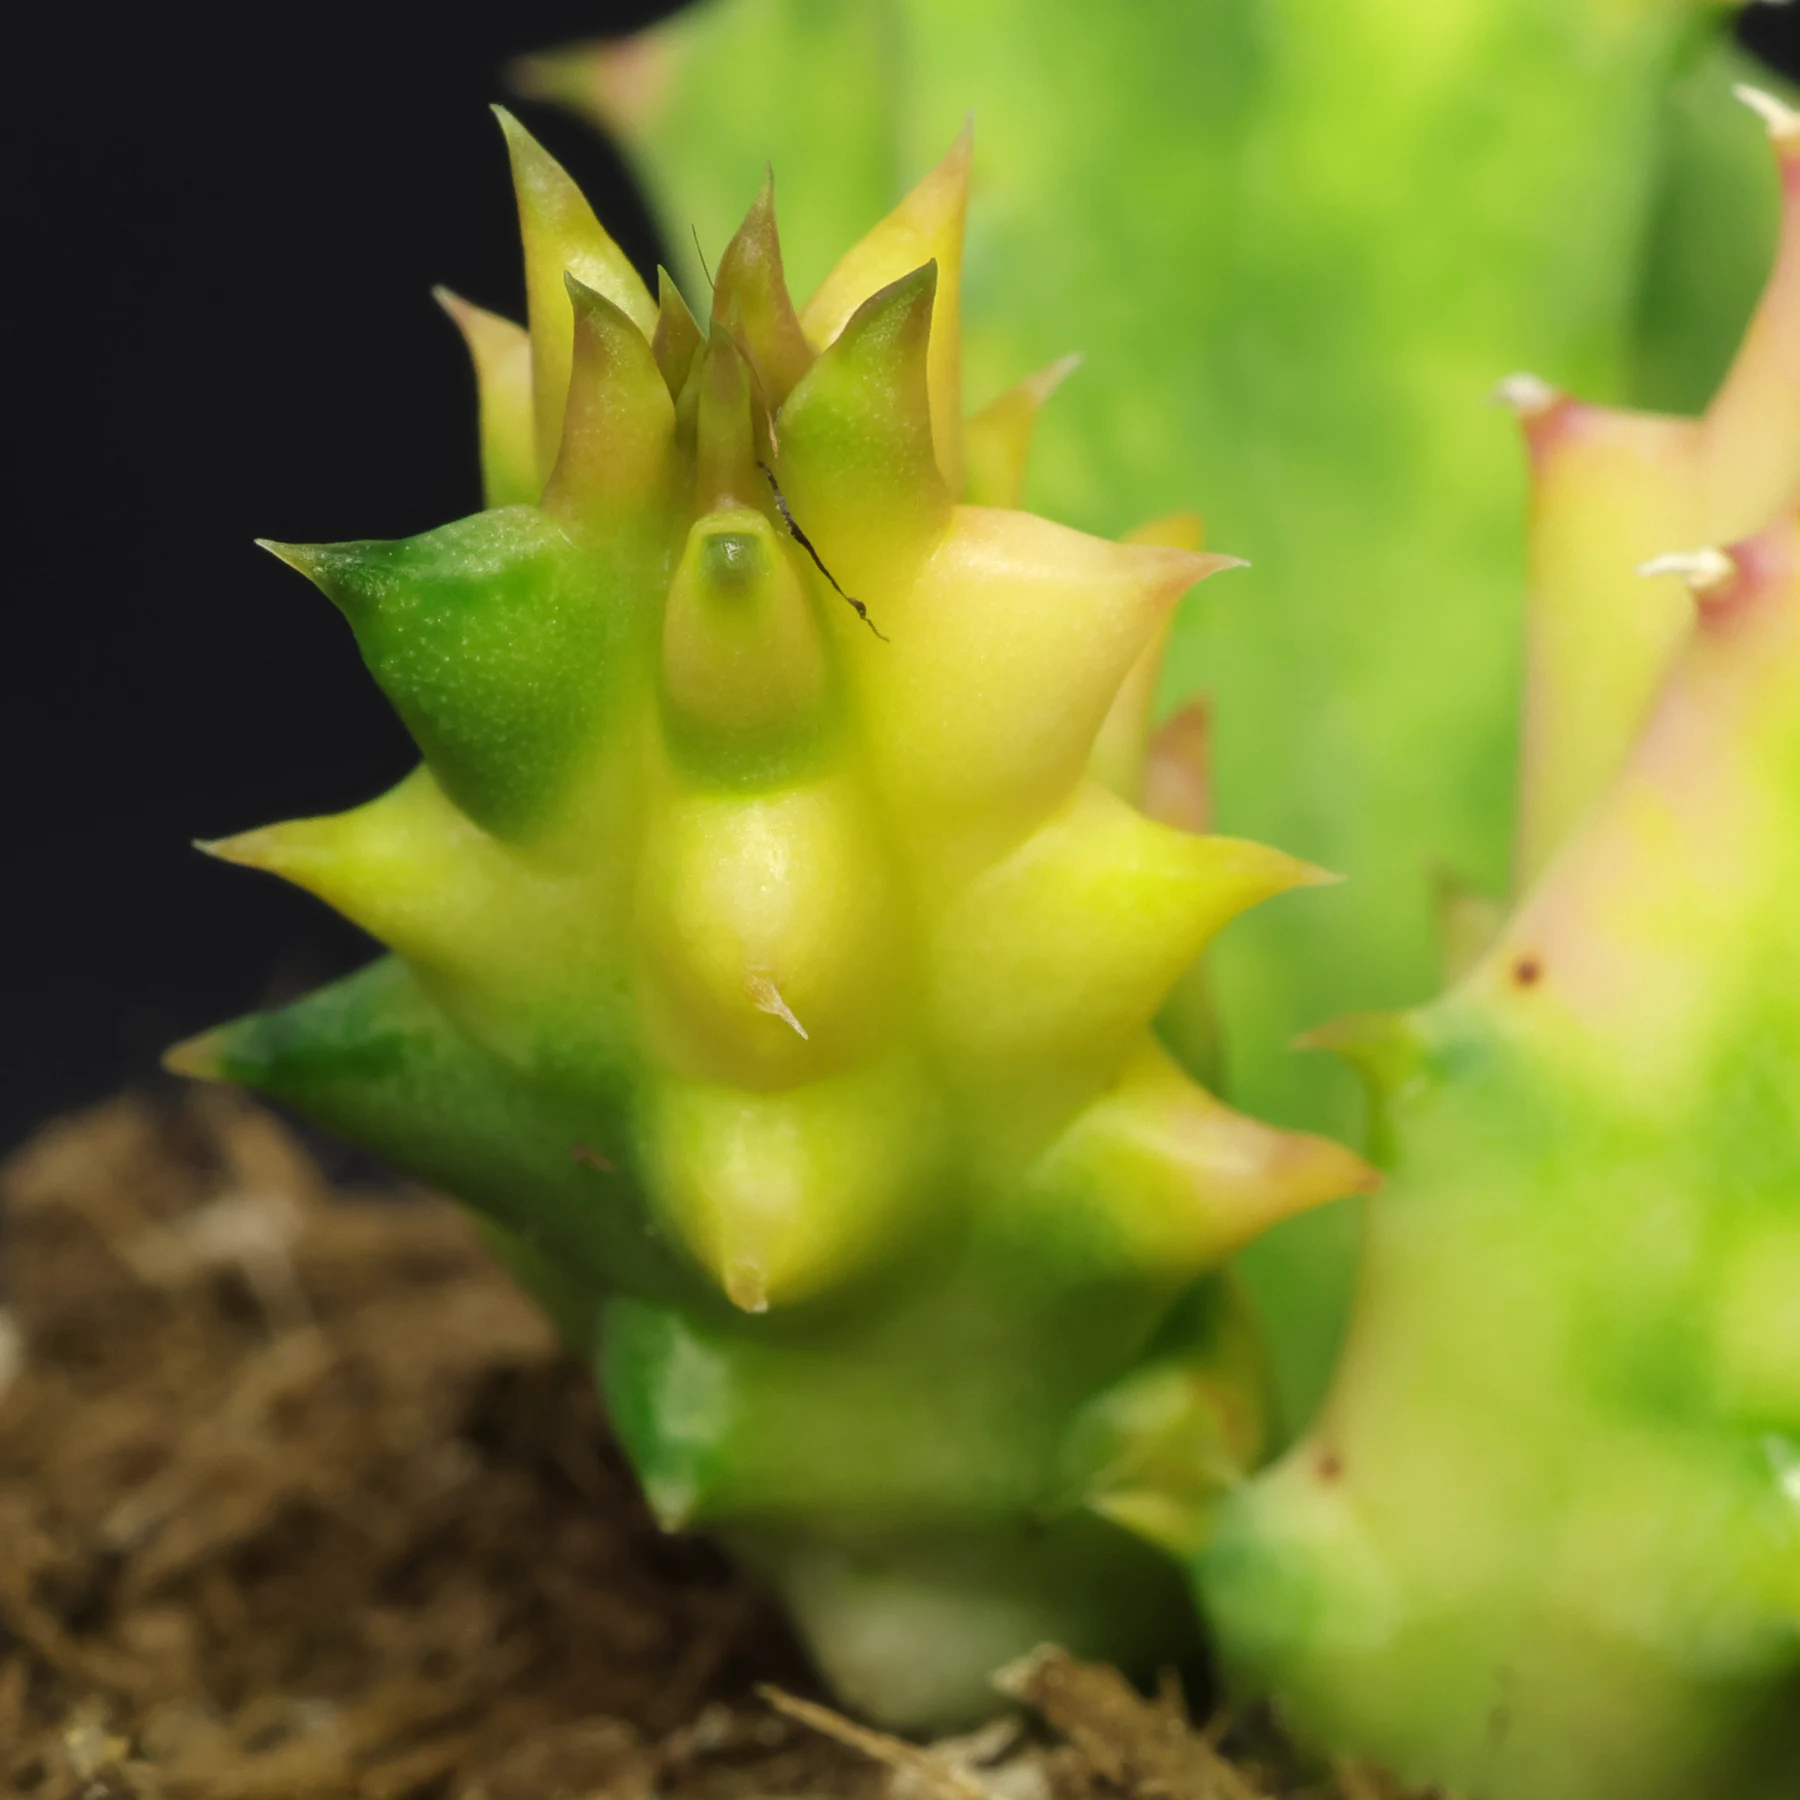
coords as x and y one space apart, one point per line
1543 1541
776 944
1296 241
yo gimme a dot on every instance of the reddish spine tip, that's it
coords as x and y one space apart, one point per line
1761 568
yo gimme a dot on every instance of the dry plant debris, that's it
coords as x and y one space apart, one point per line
299 1498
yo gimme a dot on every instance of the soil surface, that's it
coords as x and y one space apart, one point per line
300 1499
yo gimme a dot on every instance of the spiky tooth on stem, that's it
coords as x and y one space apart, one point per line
1177 791
202 1057
677 339
727 454
615 465
562 237
927 226
1123 742
411 870
857 468
1064 950
375 1058
1169 1179
485 636
743 659
751 303
1008 649
781 1197
1156 1450
1177 787
997 440
501 353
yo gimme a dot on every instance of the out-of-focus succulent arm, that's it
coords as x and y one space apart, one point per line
1543 1542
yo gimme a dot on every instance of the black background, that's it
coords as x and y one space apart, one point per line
218 248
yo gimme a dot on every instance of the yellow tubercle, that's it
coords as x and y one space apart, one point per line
416 874
1120 752
562 237
784 1196
615 464
1177 1181
856 463
742 653
1064 950
751 304
501 354
677 339
997 440
773 949
927 226
1007 650
726 451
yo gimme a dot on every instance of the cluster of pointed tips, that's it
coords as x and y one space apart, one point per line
777 817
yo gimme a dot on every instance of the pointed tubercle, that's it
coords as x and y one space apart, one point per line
751 303
997 440
614 461
501 354
1177 788
200 1058
927 226
857 465
562 237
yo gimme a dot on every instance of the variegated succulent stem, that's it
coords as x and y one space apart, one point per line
776 945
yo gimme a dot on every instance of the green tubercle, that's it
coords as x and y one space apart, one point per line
776 943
